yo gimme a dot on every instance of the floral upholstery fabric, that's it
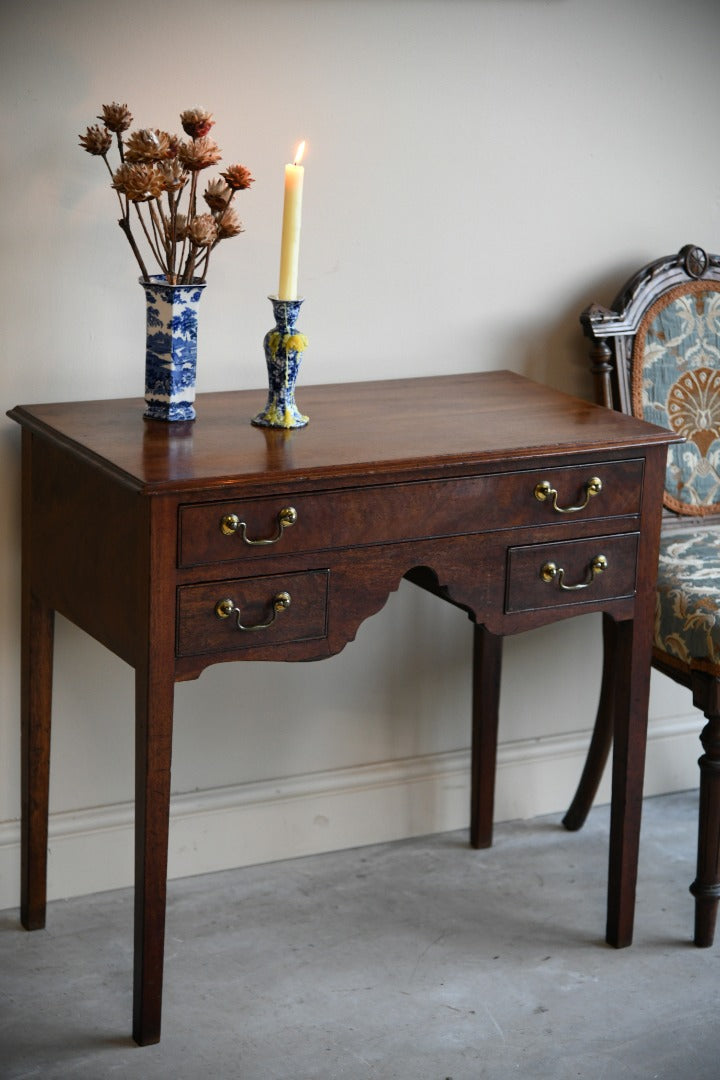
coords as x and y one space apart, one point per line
676 384
687 613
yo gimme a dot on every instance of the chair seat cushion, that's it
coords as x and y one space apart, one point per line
687 614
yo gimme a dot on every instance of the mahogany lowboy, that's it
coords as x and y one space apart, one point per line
186 544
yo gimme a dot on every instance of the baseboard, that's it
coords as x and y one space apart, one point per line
92 850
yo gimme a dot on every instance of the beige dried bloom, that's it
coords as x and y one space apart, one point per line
116 117
96 140
147 145
217 195
174 176
139 182
199 154
196 122
229 224
237 177
202 230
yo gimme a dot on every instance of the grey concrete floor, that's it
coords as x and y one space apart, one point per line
419 960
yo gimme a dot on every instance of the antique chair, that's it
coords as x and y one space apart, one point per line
656 353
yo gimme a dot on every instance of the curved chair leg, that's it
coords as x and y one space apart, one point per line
602 736
706 887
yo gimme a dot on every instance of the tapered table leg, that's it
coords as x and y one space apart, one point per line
36 698
632 664
154 690
487 670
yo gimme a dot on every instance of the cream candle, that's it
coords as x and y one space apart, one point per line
292 216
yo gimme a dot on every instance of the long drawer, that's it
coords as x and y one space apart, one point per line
571 572
255 528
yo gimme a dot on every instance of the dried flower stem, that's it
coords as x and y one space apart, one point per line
189 269
193 195
149 239
202 271
125 226
124 221
173 205
160 234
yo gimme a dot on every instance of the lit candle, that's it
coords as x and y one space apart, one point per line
292 215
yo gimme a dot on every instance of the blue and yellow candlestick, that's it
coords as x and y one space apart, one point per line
284 347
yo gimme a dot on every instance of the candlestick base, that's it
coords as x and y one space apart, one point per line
284 347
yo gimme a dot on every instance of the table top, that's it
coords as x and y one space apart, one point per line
355 428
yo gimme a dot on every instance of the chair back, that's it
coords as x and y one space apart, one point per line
656 354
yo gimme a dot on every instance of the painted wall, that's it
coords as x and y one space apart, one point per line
477 172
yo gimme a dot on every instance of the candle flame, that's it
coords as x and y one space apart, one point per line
299 153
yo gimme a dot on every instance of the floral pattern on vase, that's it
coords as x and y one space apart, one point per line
171 348
676 384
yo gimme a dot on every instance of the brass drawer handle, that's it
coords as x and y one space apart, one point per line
544 491
231 523
225 608
550 571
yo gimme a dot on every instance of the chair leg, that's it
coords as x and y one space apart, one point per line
602 736
706 887
487 668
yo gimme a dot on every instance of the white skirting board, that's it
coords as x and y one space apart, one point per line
92 850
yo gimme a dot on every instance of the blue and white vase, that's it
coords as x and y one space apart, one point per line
171 352
284 347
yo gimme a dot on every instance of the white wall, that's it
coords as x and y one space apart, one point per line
477 171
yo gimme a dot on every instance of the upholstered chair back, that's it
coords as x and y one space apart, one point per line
676 383
656 353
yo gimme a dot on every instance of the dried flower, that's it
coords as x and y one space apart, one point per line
217 195
147 145
96 140
174 176
116 117
237 177
156 168
199 153
196 122
138 182
229 224
203 230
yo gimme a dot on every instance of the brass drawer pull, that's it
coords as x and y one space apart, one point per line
544 491
550 571
231 524
225 608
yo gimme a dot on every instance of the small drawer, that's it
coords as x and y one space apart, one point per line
571 572
241 613
392 513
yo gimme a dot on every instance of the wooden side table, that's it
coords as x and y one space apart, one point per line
182 545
